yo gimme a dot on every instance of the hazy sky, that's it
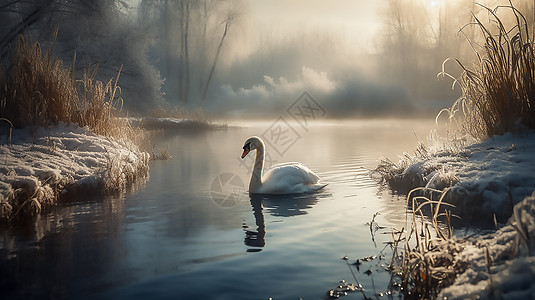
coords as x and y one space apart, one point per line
355 21
276 49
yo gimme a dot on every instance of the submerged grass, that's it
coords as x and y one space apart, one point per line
498 94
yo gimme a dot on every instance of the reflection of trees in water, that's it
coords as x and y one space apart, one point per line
41 258
279 206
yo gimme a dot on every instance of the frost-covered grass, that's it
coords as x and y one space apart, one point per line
424 251
177 113
429 256
176 119
65 161
433 263
487 179
68 139
416 170
173 124
500 264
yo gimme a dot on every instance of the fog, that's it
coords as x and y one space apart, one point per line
237 58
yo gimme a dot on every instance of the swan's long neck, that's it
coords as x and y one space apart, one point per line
256 177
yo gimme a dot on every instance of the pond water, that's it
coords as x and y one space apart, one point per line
191 231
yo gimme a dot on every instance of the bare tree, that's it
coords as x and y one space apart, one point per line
226 23
178 23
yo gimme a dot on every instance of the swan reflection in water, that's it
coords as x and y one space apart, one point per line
278 206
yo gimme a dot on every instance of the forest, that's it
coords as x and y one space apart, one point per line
210 55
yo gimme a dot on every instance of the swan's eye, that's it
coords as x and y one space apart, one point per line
247 146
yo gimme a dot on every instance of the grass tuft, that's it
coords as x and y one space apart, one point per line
523 221
498 94
428 260
162 155
37 90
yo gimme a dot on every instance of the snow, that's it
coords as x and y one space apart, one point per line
43 164
495 177
501 264
487 178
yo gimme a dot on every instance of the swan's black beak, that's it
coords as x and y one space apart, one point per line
245 151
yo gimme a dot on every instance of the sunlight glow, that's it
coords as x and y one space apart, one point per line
357 22
435 4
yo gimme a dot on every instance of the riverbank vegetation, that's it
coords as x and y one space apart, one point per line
68 137
38 90
425 254
498 93
498 96
475 173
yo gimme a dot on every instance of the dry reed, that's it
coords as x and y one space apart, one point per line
498 95
38 90
523 221
428 260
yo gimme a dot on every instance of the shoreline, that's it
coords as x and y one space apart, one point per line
491 184
42 167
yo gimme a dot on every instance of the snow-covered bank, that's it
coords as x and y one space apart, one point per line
500 264
487 178
487 181
42 166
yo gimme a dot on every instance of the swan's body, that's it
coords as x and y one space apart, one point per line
285 178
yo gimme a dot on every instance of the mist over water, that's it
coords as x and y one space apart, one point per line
336 85
175 237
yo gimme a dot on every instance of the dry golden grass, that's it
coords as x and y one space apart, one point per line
427 261
38 91
498 94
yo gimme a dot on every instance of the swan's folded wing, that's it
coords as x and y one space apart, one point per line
289 178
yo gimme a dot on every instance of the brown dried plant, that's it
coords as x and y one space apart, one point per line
38 91
498 94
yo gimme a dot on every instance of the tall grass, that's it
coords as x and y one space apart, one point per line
498 96
427 261
37 90
498 93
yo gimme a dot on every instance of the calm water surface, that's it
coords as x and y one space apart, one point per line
193 232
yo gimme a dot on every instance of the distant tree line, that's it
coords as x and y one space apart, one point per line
169 46
419 36
189 38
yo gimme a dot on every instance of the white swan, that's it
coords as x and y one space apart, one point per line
286 178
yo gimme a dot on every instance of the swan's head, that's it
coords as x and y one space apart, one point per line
252 143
